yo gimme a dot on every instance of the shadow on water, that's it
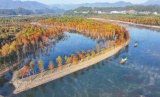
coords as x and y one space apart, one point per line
69 79
43 88
61 80
98 66
93 67
75 74
88 69
53 86
82 72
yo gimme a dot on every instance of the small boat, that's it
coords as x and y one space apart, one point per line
124 59
135 44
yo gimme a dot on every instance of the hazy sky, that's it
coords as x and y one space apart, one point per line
83 1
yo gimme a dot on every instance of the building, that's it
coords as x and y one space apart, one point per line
132 12
85 12
145 12
76 12
155 13
118 12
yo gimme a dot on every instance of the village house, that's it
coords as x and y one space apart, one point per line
145 12
118 12
155 13
132 12
85 12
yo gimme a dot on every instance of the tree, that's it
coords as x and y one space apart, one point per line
107 47
83 52
97 47
88 50
75 60
93 53
41 67
32 66
65 58
82 56
69 60
51 65
88 56
25 71
5 51
72 55
103 49
59 61
78 53
112 42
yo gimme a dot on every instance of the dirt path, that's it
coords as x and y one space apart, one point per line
25 84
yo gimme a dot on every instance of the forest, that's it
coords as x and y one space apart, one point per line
19 38
147 20
21 11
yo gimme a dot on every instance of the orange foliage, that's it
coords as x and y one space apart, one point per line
82 56
25 70
75 60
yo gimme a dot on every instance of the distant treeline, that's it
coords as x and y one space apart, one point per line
147 20
21 11
138 8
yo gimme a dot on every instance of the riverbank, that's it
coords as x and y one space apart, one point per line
109 20
25 84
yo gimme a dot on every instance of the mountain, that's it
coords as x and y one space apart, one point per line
105 4
152 2
21 11
31 5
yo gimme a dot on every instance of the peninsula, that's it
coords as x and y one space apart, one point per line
25 84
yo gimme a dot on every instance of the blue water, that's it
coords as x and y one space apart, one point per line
140 75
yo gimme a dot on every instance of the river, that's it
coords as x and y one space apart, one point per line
140 75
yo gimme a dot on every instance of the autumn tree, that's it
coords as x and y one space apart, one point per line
93 53
66 58
69 60
59 61
75 60
5 51
88 50
41 67
88 56
83 52
78 53
26 71
51 65
103 49
32 66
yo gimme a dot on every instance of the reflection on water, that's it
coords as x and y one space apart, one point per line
140 75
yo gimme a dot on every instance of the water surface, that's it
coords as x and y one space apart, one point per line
140 75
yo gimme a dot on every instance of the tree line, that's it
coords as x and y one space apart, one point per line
73 59
147 20
26 41
97 28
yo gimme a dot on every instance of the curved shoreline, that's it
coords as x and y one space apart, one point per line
118 21
25 84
